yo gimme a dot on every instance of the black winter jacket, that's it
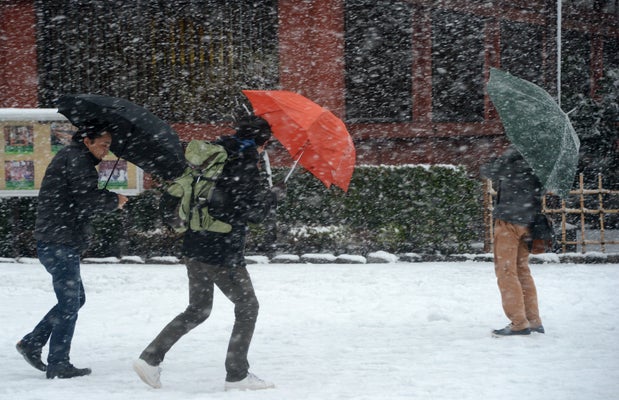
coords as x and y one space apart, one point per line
519 190
241 196
69 197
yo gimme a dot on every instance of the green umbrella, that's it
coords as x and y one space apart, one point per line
538 128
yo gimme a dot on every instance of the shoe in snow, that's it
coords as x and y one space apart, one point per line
251 382
508 331
32 355
65 371
149 374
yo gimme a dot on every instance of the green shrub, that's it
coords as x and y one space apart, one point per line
397 209
17 218
6 228
108 230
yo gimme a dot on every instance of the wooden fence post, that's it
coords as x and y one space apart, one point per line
567 241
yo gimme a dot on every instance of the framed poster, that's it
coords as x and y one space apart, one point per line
18 139
61 134
32 137
19 175
113 174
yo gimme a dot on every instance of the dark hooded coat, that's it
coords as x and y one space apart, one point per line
241 196
519 190
70 197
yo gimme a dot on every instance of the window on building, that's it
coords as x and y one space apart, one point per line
604 6
610 62
378 58
522 51
457 67
186 60
575 67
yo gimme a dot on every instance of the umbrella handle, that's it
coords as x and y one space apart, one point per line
293 166
115 164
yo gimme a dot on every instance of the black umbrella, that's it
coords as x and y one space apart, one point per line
138 135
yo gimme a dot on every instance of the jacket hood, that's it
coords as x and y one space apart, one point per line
238 147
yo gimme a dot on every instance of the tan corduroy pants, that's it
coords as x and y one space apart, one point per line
511 266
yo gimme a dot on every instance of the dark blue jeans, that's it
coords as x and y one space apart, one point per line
58 325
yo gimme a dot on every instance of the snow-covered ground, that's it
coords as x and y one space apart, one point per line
330 331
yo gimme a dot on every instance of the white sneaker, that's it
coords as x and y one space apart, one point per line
251 382
148 374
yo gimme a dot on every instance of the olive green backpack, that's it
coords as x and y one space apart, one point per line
194 189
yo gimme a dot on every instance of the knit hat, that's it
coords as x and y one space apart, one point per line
255 128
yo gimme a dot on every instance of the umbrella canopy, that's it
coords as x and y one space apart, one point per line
538 128
138 135
313 136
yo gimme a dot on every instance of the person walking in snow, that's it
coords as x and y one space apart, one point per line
518 201
241 196
68 199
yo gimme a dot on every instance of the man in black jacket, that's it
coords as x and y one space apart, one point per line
68 199
241 196
519 193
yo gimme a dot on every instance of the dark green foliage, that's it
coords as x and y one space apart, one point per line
137 230
107 234
399 209
396 209
17 217
146 234
143 211
6 228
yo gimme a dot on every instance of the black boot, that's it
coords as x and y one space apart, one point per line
64 371
32 355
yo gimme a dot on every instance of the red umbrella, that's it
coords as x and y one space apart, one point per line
313 136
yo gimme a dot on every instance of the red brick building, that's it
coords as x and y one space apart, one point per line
406 76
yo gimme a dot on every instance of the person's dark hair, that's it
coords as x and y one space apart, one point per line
90 131
252 127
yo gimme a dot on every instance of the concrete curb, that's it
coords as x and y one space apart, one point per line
372 258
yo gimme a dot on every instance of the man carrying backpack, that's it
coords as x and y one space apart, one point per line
241 196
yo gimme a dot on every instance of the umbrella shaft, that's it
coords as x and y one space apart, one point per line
293 166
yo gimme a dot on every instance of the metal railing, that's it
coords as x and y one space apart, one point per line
187 61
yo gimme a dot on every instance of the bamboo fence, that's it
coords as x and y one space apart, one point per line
590 202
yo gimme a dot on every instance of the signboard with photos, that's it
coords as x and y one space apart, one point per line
30 138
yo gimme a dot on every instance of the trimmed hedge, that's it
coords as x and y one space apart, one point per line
17 217
397 209
401 209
